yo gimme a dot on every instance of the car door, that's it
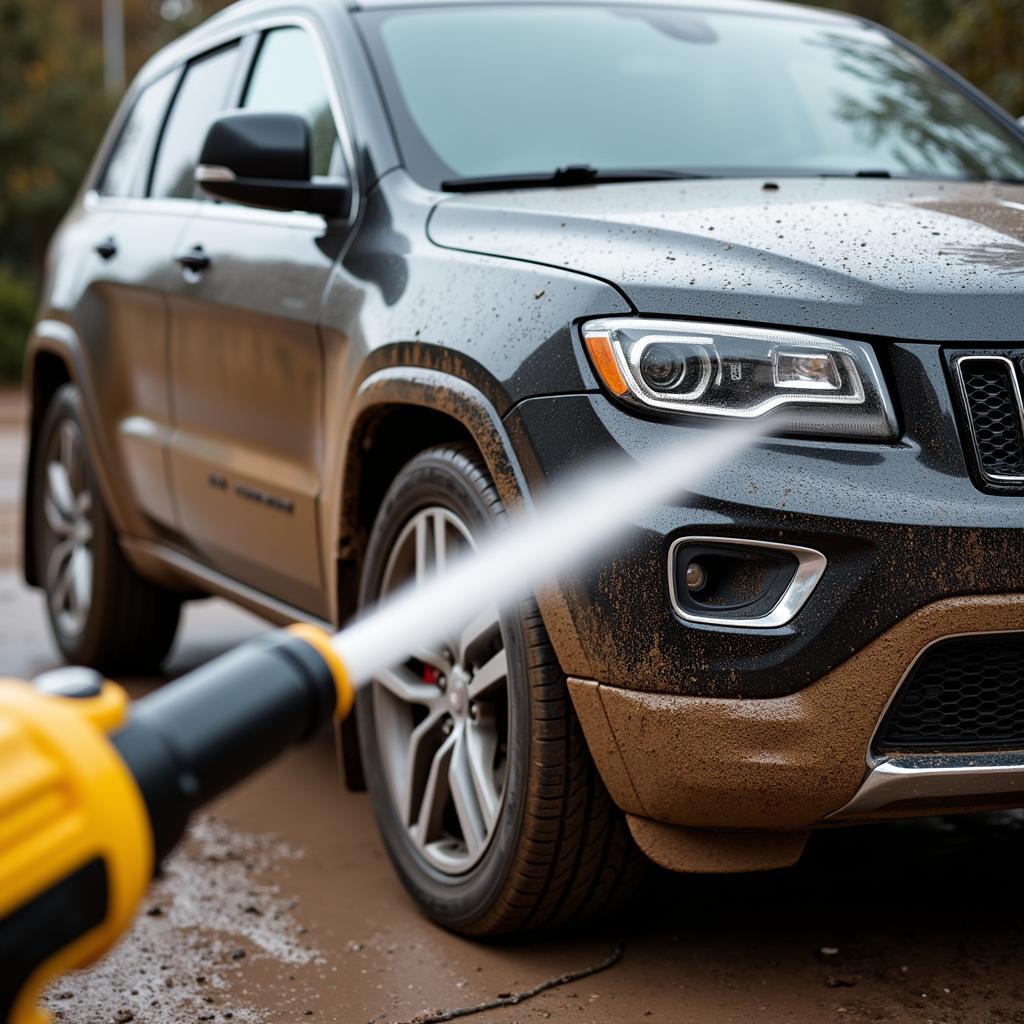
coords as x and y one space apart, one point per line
121 310
246 453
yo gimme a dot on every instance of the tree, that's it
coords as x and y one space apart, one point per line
981 39
149 24
52 111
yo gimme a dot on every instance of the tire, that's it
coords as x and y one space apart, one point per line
558 852
102 613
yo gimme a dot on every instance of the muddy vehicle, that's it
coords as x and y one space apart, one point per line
348 281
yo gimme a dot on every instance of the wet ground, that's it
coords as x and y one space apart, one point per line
282 907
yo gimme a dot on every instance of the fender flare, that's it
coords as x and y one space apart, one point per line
468 406
456 398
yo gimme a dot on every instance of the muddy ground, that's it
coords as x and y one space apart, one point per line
282 907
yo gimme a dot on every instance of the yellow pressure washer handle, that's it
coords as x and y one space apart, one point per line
94 791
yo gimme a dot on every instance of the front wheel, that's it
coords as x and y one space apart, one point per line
102 613
483 787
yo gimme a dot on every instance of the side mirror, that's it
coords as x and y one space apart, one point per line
264 160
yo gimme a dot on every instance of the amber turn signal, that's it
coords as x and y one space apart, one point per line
602 355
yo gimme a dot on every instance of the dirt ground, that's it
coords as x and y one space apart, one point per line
282 907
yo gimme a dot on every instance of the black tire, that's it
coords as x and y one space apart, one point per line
128 623
561 852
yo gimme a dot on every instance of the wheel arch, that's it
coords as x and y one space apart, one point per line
398 413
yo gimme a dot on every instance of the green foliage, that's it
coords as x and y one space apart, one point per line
981 39
52 111
17 310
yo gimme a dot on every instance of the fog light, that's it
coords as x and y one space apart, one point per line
696 577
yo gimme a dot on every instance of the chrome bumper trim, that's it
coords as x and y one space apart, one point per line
932 778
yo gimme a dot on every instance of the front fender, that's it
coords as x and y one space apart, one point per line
467 406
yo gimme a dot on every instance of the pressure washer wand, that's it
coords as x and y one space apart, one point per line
190 741
95 792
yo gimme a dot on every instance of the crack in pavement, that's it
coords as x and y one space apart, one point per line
514 998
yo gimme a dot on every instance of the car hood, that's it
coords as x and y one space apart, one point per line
908 260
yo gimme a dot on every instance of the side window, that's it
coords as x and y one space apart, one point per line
128 164
203 95
288 78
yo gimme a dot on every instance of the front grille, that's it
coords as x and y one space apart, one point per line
994 412
966 693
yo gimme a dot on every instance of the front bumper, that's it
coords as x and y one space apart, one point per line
725 744
798 761
901 525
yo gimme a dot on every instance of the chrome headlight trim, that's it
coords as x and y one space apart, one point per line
867 410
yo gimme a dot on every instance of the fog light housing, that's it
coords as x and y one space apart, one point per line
722 581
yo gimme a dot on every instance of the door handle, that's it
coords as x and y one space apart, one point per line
195 259
107 248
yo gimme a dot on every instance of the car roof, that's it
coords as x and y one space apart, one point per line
236 15
764 7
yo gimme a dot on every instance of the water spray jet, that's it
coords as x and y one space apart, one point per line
575 523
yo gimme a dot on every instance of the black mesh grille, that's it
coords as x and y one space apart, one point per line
963 694
994 415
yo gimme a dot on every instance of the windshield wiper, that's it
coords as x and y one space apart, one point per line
855 174
563 177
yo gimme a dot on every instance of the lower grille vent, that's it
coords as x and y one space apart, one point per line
965 693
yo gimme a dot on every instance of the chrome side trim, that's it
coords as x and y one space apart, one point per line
1011 371
209 172
810 568
933 778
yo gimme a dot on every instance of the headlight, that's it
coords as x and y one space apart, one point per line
814 385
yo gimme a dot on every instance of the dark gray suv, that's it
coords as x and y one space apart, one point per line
349 280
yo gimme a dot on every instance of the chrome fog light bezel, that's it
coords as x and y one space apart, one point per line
811 566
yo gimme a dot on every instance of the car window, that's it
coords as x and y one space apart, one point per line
203 95
129 162
288 77
490 91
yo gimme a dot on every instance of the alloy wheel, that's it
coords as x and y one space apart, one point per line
442 718
68 512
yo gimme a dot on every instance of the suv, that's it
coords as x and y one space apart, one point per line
347 281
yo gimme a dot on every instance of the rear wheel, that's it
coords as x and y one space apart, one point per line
102 613
487 799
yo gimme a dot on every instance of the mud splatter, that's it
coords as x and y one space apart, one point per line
214 910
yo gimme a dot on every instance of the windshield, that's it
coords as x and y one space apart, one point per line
507 90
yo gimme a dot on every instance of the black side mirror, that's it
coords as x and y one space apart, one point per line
264 160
